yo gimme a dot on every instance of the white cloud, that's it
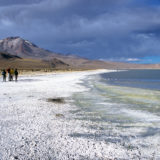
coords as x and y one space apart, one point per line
6 23
132 59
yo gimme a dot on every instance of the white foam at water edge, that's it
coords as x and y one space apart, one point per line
144 116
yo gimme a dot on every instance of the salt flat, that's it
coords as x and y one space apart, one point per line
33 128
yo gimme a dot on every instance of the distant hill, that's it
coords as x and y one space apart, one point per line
20 53
7 60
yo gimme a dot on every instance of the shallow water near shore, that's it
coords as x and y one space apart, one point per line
128 117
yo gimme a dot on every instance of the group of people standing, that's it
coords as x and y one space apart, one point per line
11 73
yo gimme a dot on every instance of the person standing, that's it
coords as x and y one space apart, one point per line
9 74
4 75
16 74
12 73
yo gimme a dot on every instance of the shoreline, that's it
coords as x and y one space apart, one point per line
28 73
73 115
32 127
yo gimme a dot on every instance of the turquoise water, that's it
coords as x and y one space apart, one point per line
123 115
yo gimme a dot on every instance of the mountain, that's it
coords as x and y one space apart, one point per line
25 49
20 53
17 46
22 48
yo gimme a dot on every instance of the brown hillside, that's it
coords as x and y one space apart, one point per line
7 60
20 53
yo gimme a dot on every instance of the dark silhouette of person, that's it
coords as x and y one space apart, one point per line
9 74
16 74
4 75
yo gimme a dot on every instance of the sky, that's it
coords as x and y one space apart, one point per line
117 30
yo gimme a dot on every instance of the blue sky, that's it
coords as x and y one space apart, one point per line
120 30
146 60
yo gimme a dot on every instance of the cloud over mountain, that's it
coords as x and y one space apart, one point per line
93 29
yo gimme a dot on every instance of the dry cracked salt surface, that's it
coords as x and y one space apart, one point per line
34 128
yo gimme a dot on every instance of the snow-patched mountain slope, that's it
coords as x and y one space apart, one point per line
22 48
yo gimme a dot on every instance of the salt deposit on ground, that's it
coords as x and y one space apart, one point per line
30 127
34 127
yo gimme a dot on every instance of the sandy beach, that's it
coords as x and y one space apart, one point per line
32 127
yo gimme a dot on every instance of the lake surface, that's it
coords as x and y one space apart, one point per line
124 108
148 79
